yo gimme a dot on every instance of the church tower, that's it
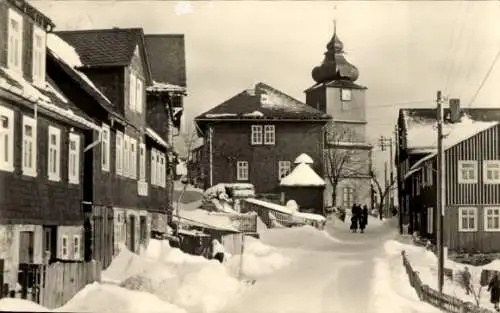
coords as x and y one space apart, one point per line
347 153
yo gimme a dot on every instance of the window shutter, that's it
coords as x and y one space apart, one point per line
27 61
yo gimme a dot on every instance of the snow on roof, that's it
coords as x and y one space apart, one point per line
206 219
457 132
422 133
310 216
67 54
254 114
220 115
160 87
56 92
31 93
270 205
151 133
302 176
304 158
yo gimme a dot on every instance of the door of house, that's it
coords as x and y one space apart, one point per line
143 229
50 241
132 233
26 247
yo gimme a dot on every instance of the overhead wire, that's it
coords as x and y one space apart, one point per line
453 49
444 70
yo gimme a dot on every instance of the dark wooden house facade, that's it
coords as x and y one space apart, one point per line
472 165
42 139
255 136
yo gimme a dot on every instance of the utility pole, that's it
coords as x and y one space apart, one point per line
386 142
440 205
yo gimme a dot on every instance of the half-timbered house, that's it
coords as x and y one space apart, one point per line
42 139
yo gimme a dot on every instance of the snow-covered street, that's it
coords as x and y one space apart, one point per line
344 277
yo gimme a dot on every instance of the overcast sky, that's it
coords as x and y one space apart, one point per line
405 51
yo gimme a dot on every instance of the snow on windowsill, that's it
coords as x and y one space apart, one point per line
220 115
254 114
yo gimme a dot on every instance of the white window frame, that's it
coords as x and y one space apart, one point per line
163 170
74 159
38 66
347 197
257 135
430 220
119 153
486 168
467 180
32 143
269 134
139 95
15 42
132 91
158 169
284 168
105 147
126 155
153 166
489 212
471 212
64 247
142 161
7 140
54 170
345 94
77 247
133 158
242 171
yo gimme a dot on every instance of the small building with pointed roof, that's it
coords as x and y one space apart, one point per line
255 137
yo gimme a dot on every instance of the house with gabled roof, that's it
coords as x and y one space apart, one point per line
107 72
472 171
42 139
255 135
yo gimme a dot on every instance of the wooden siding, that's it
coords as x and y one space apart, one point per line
483 146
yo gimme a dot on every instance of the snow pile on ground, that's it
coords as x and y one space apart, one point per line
105 298
392 292
425 263
20 305
305 237
259 259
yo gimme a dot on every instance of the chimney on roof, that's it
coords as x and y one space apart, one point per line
116 27
455 112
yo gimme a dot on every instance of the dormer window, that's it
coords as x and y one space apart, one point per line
136 93
39 38
139 94
132 92
15 41
345 95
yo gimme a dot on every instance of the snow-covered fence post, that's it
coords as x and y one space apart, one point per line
240 275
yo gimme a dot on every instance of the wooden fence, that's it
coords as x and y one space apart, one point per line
442 301
102 235
55 284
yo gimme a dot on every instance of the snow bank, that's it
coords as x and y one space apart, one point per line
302 175
305 237
304 158
20 305
104 298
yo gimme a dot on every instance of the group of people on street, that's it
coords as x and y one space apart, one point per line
359 218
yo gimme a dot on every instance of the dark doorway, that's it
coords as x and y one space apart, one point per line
132 233
26 246
50 241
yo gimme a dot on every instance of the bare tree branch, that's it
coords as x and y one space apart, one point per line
383 191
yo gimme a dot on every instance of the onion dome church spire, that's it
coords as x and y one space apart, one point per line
335 66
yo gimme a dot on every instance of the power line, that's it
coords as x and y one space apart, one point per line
485 77
450 44
453 49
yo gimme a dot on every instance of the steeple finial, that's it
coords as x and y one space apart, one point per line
335 20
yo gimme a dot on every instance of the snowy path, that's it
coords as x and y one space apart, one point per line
336 280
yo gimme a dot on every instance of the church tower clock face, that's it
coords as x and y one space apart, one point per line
345 95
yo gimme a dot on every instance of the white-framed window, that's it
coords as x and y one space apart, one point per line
491 171
126 156
467 172
467 219
158 168
269 135
29 146
430 220
492 218
142 161
38 66
132 91
64 247
161 169
119 153
256 136
105 149
77 247
347 197
242 170
15 41
133 158
153 166
284 168
345 95
139 95
74 159
54 167
6 139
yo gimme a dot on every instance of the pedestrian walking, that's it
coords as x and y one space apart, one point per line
364 213
494 289
354 218
217 251
466 277
363 218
